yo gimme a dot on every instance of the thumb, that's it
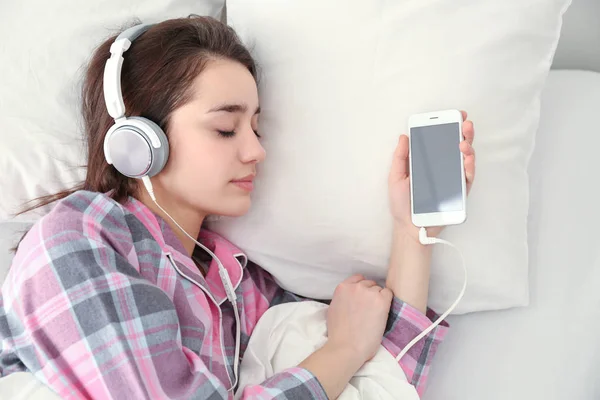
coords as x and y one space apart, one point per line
399 170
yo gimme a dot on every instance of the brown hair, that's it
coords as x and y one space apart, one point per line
157 75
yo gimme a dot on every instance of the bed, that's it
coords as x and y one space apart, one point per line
549 349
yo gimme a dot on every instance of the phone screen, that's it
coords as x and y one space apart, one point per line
436 169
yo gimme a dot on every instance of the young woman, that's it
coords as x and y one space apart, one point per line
108 298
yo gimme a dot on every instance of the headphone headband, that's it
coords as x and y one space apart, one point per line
137 147
112 71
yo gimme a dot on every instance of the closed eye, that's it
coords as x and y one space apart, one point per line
229 134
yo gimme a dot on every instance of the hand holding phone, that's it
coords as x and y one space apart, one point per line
435 175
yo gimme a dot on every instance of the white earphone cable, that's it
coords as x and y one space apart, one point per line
229 290
425 240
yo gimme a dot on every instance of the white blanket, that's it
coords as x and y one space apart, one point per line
25 386
288 333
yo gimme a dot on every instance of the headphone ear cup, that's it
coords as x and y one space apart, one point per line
136 147
160 155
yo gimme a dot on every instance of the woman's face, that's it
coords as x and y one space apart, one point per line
214 147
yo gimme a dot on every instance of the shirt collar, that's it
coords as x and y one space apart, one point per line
233 259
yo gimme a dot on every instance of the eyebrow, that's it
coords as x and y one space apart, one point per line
233 108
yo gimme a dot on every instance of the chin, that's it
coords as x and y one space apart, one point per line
236 208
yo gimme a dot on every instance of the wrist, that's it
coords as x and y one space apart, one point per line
408 253
407 239
333 365
409 268
346 354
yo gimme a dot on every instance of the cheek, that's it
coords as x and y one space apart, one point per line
201 162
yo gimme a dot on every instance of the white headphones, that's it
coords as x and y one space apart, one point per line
135 146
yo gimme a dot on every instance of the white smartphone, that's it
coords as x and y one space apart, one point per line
438 190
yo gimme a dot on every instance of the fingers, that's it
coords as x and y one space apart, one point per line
387 293
368 283
470 168
466 148
468 131
469 162
399 169
361 280
372 285
464 114
354 278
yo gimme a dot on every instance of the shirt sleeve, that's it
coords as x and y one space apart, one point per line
404 324
90 327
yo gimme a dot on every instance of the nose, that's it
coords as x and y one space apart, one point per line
252 150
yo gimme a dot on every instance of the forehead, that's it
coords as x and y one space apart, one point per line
225 81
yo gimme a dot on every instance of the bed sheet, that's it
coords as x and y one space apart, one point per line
550 349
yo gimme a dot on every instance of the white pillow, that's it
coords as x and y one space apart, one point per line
44 48
340 79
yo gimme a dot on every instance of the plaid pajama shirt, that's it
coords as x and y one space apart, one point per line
95 308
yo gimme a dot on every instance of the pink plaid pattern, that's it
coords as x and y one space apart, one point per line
93 307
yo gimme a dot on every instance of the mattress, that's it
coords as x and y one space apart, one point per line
548 350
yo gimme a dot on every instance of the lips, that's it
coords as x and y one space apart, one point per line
246 183
247 178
